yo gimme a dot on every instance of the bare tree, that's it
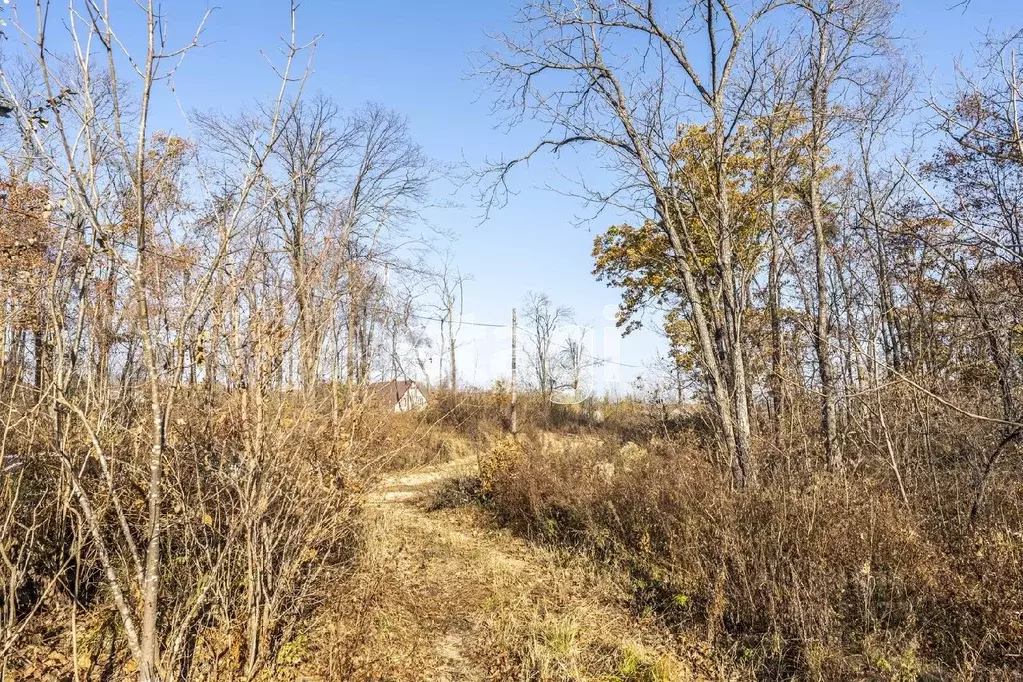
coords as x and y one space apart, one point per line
315 145
566 69
543 323
450 290
778 120
116 187
345 188
980 163
575 358
845 35
384 188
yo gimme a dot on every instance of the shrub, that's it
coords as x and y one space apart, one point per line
258 527
831 577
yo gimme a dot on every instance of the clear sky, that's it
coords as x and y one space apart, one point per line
413 56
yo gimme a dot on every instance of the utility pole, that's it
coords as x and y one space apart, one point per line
514 426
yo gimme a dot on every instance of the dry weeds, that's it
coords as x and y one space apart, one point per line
821 577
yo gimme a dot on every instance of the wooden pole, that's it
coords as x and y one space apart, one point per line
513 420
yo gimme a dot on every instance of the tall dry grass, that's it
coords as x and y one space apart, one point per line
816 576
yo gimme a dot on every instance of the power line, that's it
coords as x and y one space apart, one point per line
439 319
418 316
622 364
508 326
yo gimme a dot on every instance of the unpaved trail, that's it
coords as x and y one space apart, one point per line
413 485
457 599
444 567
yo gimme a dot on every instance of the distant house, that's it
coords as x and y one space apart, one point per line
397 396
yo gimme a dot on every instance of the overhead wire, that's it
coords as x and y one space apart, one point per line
491 325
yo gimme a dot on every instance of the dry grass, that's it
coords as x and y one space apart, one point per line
446 596
809 576
832 578
483 416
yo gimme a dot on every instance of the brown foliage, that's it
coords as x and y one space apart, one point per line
255 543
829 577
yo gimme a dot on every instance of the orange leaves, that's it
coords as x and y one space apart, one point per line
24 223
636 259
717 199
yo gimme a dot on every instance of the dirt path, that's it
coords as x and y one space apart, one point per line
413 485
455 599
444 566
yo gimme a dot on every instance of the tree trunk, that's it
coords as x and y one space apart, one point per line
726 405
737 390
774 305
822 328
39 355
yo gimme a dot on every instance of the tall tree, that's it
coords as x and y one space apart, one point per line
316 142
980 166
844 36
565 69
450 288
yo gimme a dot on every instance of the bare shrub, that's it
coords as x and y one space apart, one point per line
269 536
255 543
831 577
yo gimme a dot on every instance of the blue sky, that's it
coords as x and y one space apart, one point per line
413 56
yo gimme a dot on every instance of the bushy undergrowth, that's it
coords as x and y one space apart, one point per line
484 415
260 525
826 577
390 442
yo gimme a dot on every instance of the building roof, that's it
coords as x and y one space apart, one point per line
388 393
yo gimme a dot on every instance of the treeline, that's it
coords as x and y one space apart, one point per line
838 265
188 325
811 252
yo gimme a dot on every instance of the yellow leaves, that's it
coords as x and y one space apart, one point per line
734 205
628 248
681 342
501 457
84 661
636 259
720 195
